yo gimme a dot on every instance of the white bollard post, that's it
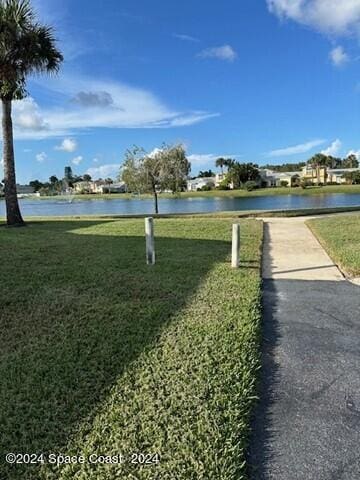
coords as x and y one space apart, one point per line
235 258
150 242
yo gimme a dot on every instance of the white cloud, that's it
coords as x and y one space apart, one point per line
186 38
41 157
104 171
225 52
327 16
27 117
130 108
202 160
67 145
296 149
333 149
77 160
354 152
206 160
338 56
95 160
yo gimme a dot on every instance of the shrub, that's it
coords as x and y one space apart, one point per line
206 188
305 183
284 183
250 185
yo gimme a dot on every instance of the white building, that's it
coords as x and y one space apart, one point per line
337 175
200 182
270 178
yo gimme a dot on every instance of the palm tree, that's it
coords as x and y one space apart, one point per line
26 47
109 181
220 163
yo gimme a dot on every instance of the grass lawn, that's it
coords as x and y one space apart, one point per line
340 236
102 354
233 193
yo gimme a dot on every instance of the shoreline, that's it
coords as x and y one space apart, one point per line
213 215
261 192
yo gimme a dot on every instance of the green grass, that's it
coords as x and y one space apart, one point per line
340 236
103 354
351 189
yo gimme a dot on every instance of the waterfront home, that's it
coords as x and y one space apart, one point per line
338 175
119 187
84 187
99 186
24 191
200 182
324 175
269 178
315 175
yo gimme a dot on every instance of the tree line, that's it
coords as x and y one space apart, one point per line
351 161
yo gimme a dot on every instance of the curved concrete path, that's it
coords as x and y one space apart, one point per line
307 423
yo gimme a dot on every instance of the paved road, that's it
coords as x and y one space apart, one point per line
307 424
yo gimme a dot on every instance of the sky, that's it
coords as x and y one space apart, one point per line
263 81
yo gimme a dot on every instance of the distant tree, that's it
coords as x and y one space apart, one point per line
175 168
142 173
286 167
229 162
318 159
250 185
166 168
220 163
53 180
333 162
87 177
109 182
350 162
240 173
206 174
36 185
26 47
352 178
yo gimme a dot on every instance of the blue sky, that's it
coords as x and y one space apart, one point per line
263 81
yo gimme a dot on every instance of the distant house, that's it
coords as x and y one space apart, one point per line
269 178
338 175
200 182
84 187
119 187
104 187
99 186
315 174
25 191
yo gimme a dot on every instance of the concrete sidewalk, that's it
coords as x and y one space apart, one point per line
307 423
292 252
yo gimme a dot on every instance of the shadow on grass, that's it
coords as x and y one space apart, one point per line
77 309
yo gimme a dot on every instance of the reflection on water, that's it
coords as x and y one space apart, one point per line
118 206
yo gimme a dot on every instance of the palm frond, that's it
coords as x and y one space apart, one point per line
26 47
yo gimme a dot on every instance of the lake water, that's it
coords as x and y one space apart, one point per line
118 206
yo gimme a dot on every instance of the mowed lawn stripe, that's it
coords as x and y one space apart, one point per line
340 236
102 354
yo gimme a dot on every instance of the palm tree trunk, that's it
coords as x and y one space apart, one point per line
13 214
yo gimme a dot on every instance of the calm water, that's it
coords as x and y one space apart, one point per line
120 206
